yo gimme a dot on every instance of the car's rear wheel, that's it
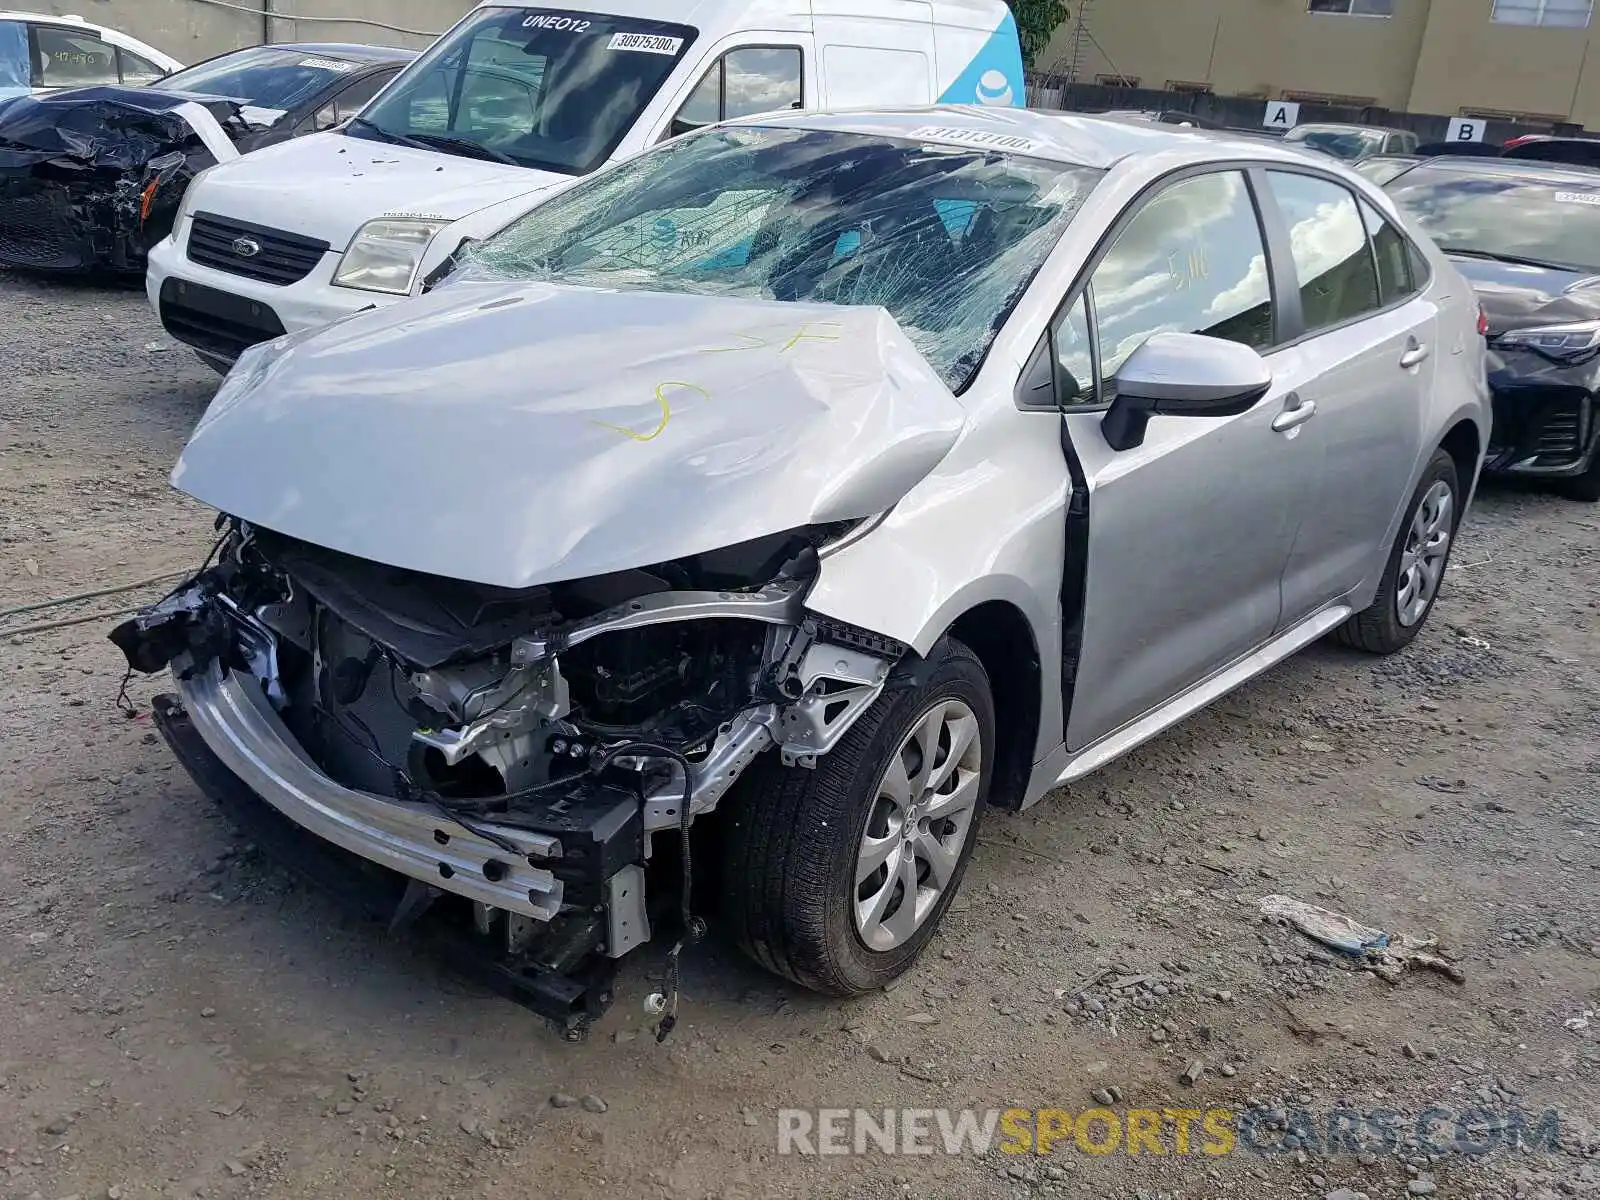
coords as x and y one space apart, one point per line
837 877
1415 571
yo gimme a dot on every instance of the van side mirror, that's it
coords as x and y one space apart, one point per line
1183 375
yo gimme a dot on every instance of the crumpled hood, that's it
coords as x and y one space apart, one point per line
517 434
328 185
1515 296
110 126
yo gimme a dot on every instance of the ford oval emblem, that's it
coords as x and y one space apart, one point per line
246 247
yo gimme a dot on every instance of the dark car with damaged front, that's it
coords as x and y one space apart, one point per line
1527 237
91 178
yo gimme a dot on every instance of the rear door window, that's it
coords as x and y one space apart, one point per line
1332 257
70 59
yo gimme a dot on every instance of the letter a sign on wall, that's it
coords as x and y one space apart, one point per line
1282 114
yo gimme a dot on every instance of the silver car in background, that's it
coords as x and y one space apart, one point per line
827 479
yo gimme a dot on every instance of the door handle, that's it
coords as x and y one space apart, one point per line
1295 414
1416 354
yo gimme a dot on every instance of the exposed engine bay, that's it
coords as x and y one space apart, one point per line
565 724
90 181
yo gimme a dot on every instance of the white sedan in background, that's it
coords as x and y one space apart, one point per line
43 53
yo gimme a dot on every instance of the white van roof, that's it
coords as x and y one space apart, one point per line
715 17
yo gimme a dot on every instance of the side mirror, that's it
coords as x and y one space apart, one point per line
1183 375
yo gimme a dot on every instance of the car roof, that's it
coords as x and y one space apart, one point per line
1099 141
715 17
1520 168
350 51
1347 126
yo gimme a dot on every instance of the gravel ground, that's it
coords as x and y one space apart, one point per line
182 1020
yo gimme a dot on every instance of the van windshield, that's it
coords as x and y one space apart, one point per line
534 87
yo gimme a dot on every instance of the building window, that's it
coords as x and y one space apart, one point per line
1567 14
1192 89
1117 81
1353 8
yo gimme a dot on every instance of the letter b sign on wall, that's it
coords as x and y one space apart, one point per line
1467 129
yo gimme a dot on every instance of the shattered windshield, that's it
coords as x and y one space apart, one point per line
534 87
945 238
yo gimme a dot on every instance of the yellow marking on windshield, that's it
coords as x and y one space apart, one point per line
666 412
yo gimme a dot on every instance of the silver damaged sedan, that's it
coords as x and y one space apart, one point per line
819 482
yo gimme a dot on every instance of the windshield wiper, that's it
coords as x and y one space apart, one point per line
388 136
462 145
1520 260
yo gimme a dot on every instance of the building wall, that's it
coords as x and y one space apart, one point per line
1470 63
1440 56
191 30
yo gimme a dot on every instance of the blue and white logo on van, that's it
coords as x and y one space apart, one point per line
994 89
994 76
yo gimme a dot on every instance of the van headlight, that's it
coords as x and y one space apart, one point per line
384 255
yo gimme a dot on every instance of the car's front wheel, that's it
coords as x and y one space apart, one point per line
1415 569
837 877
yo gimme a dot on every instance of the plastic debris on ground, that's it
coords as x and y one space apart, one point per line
1387 955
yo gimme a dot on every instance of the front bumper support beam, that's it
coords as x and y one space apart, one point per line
571 996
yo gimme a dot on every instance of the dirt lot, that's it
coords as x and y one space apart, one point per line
182 1020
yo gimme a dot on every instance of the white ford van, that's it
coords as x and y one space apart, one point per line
509 104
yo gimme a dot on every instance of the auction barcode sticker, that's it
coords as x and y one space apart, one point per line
1578 198
328 64
975 137
645 43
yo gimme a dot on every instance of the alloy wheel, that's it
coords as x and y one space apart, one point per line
919 824
1422 562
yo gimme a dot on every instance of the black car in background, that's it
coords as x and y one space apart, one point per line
91 178
1527 236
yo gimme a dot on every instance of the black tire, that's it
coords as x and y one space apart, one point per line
1585 487
1378 629
793 836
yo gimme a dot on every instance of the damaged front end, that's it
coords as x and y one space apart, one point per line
513 754
90 180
